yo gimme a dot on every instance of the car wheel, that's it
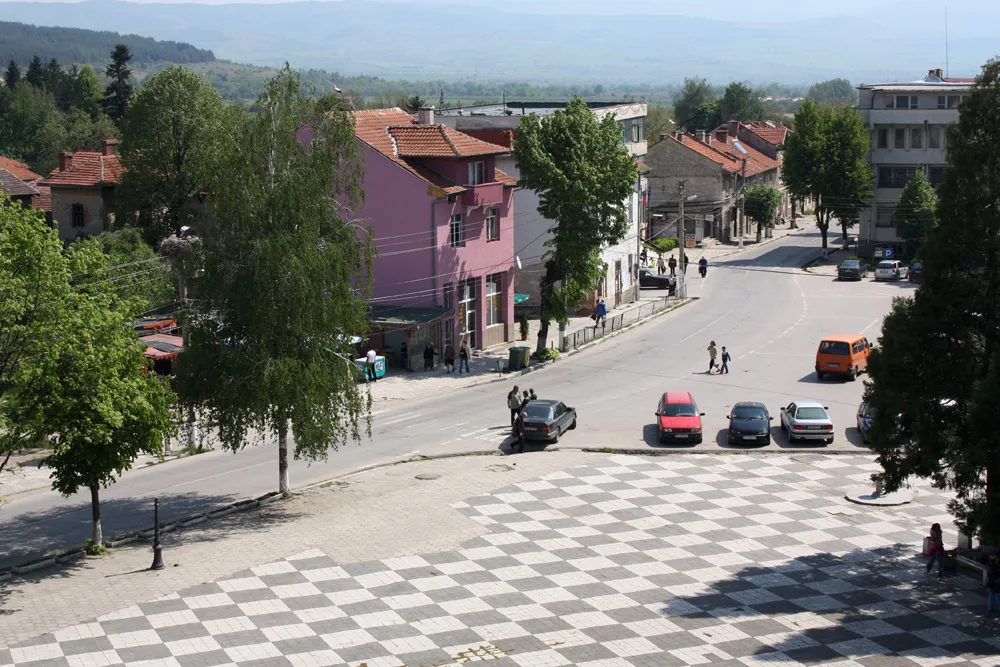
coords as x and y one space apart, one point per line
573 425
699 440
852 374
829 441
819 374
555 438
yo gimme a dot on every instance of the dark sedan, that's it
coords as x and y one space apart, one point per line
547 420
658 280
916 272
749 423
852 269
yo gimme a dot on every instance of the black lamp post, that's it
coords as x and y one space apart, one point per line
157 550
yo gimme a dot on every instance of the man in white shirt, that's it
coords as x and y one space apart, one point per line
370 365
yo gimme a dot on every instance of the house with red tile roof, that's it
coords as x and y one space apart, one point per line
15 189
18 169
82 191
713 170
442 217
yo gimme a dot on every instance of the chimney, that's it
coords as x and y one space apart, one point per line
734 129
425 115
65 161
722 135
935 73
109 147
700 135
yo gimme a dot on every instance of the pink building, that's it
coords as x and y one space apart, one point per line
443 221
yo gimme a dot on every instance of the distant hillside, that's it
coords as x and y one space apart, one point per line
21 41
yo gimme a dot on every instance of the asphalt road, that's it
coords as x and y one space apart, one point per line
759 303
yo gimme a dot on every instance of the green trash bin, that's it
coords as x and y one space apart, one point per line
525 356
517 359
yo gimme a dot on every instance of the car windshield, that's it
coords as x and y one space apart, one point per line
679 410
918 265
538 411
749 412
885 265
850 264
834 347
811 413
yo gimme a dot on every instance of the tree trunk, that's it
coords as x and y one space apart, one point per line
543 333
758 232
95 510
283 485
6 459
843 230
823 221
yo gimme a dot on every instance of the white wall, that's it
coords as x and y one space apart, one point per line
62 212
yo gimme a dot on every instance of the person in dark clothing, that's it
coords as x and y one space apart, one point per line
518 433
525 399
429 354
672 263
404 356
936 553
531 395
703 266
725 361
684 264
463 358
514 403
449 358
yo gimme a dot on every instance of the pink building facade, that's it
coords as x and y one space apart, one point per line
442 217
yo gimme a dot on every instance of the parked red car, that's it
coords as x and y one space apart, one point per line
678 418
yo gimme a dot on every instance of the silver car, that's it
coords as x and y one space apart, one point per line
890 269
806 420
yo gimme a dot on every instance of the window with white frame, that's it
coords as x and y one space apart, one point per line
467 310
477 173
933 137
906 102
949 101
899 138
494 299
916 137
455 234
492 225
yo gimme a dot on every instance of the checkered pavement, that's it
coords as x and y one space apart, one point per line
630 561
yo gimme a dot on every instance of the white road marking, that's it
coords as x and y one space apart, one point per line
805 314
707 326
874 322
399 418
471 433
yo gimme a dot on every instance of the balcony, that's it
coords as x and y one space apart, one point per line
484 194
874 117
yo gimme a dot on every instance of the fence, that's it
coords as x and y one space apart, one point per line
584 336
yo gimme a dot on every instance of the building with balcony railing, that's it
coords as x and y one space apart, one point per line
908 123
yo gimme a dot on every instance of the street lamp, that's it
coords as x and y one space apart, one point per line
681 235
743 184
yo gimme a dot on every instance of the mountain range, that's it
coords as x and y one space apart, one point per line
561 40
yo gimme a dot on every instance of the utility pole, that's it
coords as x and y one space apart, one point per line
638 237
743 187
681 283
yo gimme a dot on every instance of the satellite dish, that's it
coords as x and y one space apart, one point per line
518 261
738 146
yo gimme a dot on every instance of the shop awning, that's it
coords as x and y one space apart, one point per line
520 298
404 317
163 346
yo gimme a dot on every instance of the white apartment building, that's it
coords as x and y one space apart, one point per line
908 123
498 123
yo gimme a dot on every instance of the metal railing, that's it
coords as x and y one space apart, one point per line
612 324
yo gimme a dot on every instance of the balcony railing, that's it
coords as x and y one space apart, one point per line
484 194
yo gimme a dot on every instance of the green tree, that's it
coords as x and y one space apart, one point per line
836 91
36 73
119 90
658 122
71 131
804 156
13 75
740 102
100 403
285 282
85 91
706 117
140 275
28 109
583 176
848 181
935 376
695 93
413 104
760 205
916 210
168 141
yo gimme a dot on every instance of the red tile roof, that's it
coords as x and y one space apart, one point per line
503 138
772 135
12 186
19 169
398 136
727 156
961 80
88 169
43 200
503 177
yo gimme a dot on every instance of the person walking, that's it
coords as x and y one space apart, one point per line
370 365
936 553
661 267
713 352
463 358
600 314
991 577
429 354
672 263
514 403
449 358
725 361
684 264
518 433
703 266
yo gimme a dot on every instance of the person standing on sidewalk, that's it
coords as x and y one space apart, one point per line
725 361
672 263
514 403
713 352
370 365
463 358
661 268
449 358
600 314
936 553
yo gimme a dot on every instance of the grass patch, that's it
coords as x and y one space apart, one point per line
95 549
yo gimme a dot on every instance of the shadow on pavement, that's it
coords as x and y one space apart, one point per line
651 436
867 604
780 438
722 440
21 583
853 436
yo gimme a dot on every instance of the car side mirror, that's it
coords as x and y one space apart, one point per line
656 414
701 414
825 407
770 419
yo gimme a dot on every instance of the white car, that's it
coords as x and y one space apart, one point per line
806 420
891 269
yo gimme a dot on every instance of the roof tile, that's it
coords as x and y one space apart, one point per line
19 169
12 186
88 169
43 200
727 156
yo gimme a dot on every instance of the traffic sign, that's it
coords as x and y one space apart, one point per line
886 253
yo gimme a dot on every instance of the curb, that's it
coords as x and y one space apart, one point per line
763 242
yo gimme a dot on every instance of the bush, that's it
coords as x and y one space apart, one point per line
523 324
546 354
661 245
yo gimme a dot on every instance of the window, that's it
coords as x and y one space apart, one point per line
492 225
477 173
883 138
834 347
494 299
933 137
899 138
77 216
936 174
895 177
456 235
916 137
905 102
949 101
885 216
449 296
467 310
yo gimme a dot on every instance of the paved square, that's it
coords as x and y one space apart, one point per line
682 560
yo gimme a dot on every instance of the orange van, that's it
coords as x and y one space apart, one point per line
842 354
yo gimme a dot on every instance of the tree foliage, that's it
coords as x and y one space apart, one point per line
140 275
12 75
916 209
169 139
285 282
583 176
695 93
741 103
835 91
935 376
760 205
658 121
119 89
